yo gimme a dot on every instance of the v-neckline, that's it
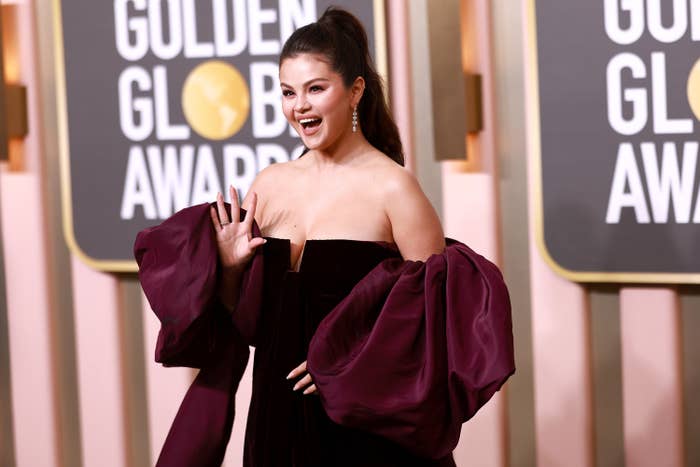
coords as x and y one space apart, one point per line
296 268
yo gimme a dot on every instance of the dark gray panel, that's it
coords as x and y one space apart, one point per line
579 146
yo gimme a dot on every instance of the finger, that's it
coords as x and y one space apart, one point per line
297 371
223 217
303 382
215 219
310 390
250 213
256 242
235 206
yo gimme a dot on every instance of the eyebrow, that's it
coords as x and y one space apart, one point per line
306 83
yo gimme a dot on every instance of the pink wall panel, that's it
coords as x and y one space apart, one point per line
484 439
29 321
26 271
400 77
470 209
560 326
562 369
100 374
470 213
652 377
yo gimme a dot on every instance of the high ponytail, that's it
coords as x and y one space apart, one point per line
340 37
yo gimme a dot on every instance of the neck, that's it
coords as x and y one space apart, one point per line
341 153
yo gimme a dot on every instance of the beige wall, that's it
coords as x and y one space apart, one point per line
606 374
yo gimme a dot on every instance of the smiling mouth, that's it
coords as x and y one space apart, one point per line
310 122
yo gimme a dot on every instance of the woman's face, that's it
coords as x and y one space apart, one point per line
315 100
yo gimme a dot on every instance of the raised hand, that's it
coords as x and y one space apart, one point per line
234 238
305 382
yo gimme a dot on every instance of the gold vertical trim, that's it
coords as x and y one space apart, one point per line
473 107
16 105
380 41
4 138
535 153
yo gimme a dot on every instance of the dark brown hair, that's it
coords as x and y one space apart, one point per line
340 37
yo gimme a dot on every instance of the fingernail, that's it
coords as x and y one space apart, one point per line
291 373
296 386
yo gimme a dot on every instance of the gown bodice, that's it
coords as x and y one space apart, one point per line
287 428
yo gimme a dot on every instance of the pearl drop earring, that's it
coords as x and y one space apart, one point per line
354 120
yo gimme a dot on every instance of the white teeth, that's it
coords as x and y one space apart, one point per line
307 120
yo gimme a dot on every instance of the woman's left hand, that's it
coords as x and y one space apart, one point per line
305 381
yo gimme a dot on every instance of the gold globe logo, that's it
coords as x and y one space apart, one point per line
694 89
215 100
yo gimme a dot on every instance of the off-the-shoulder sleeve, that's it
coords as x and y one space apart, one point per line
179 271
416 349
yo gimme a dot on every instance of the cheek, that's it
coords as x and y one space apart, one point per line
341 114
336 108
288 109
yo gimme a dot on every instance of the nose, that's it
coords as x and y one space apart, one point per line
301 104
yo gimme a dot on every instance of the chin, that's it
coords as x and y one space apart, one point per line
316 143
322 143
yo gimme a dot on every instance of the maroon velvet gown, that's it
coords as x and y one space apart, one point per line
286 428
402 352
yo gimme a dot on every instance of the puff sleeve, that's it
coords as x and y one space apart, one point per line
178 270
179 273
416 349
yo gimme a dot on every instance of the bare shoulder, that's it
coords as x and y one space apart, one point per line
398 180
415 225
267 184
273 178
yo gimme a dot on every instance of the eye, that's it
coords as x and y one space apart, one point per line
315 88
287 92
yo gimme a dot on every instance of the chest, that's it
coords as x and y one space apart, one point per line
316 211
324 211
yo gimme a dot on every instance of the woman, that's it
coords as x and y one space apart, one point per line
337 255
344 186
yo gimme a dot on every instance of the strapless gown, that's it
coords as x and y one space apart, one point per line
395 378
286 428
